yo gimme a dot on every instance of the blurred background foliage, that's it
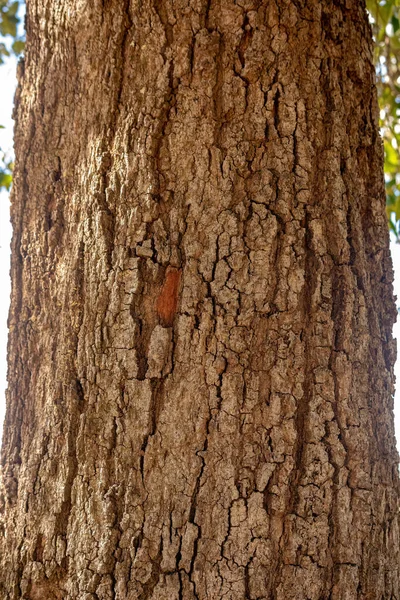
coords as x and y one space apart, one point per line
10 43
9 21
385 23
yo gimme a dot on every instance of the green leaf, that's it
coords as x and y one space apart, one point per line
13 9
391 158
381 11
18 47
392 227
8 25
3 50
5 180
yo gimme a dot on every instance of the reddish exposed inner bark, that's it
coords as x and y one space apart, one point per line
167 301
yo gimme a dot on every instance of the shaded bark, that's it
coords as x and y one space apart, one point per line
200 355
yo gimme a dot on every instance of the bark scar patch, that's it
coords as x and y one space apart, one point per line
167 301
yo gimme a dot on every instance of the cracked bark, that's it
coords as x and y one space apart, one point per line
200 355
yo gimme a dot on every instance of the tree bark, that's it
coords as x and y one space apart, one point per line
200 400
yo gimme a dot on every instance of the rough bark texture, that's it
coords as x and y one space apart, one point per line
200 356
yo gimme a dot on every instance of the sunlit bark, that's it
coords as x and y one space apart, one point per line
200 356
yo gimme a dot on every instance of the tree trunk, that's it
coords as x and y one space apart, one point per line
200 358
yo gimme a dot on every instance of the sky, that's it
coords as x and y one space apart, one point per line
6 104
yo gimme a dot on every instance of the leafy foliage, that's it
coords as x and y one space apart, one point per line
6 166
6 172
10 43
8 28
385 17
